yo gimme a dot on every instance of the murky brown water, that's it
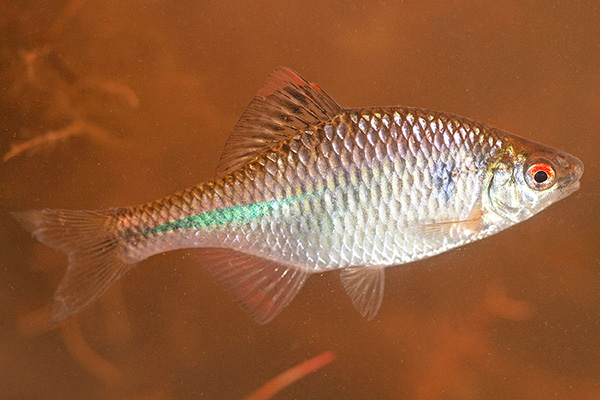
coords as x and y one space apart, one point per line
158 85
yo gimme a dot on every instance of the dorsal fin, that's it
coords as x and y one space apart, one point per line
285 104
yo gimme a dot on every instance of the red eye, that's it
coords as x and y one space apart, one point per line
540 175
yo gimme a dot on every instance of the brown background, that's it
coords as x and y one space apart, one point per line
516 316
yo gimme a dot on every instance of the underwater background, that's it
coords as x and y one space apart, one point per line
111 103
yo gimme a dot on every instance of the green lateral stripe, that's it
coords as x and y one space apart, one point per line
220 217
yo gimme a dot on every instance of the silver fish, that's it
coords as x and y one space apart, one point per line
306 186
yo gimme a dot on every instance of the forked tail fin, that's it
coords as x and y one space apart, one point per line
91 241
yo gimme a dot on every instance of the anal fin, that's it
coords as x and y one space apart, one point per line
263 287
364 285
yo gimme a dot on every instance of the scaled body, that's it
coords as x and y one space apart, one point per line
359 190
306 186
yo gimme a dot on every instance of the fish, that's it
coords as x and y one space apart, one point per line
305 186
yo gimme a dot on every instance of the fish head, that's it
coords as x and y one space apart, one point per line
527 177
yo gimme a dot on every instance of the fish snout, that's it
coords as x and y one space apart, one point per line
571 171
576 167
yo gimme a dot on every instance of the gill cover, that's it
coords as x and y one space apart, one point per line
510 195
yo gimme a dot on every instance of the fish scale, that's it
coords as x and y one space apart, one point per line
305 186
413 181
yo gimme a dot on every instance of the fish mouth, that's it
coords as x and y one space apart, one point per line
572 187
574 170
569 185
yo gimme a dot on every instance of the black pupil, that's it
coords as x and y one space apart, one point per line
540 176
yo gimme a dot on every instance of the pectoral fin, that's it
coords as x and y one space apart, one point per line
472 223
262 287
365 286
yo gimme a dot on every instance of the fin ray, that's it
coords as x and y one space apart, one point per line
285 105
89 240
263 287
472 222
365 286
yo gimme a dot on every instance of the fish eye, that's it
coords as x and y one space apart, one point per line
540 176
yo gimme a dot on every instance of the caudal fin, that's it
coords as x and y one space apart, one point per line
90 240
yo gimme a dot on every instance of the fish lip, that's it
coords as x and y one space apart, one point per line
570 185
577 167
574 186
574 167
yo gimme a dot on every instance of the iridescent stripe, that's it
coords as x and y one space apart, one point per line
219 217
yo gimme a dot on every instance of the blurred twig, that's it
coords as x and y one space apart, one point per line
49 91
91 361
35 322
77 127
112 88
290 376
444 368
116 317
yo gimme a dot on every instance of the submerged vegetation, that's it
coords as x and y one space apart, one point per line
54 101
